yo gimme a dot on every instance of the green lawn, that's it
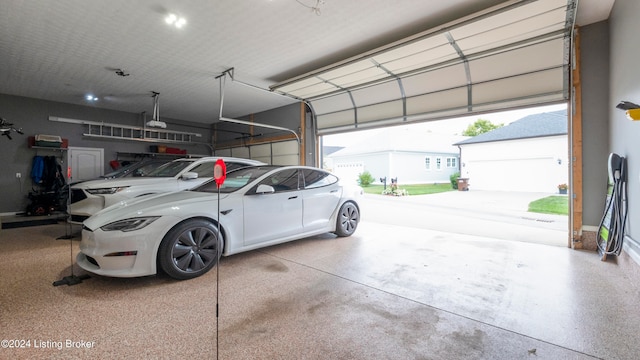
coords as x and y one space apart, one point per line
416 189
558 205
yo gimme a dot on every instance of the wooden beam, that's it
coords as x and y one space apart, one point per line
575 234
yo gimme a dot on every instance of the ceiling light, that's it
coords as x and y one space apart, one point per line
173 19
91 98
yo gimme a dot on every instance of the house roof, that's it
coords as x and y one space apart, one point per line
328 150
531 126
402 140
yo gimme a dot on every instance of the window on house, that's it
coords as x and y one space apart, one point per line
427 163
438 163
451 162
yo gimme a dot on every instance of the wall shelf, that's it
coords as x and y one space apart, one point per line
48 148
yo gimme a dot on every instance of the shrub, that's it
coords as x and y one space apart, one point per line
365 179
454 180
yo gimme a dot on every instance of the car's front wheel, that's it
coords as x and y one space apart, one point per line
348 218
190 249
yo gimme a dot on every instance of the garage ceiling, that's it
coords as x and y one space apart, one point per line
63 50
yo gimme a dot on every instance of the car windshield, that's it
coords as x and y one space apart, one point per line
169 169
138 169
119 171
236 179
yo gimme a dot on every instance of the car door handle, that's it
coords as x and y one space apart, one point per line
332 191
293 197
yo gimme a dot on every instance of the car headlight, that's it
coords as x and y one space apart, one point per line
106 191
130 224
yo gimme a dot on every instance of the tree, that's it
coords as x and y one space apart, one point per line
481 126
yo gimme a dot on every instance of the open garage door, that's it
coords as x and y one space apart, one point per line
512 55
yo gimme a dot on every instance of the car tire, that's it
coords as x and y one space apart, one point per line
347 219
190 249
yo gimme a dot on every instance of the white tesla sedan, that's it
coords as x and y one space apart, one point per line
89 197
178 232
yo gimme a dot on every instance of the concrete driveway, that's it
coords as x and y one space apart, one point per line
493 214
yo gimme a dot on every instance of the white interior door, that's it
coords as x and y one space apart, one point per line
85 163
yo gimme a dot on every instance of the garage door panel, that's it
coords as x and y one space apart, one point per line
528 85
423 59
333 103
513 53
535 57
515 15
346 70
315 90
387 110
444 78
371 74
512 33
377 94
455 98
519 102
310 85
432 44
337 119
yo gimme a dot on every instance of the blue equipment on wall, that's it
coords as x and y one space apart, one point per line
611 231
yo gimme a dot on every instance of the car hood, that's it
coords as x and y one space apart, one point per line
152 205
120 182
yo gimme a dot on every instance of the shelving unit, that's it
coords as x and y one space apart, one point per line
136 155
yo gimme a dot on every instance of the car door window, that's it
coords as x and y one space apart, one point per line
316 178
285 180
204 170
234 165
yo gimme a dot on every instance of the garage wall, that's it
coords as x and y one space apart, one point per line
33 116
625 85
594 62
269 145
529 165
274 153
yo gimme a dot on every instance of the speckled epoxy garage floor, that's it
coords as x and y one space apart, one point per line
385 293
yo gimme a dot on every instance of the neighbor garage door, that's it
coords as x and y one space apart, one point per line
515 54
526 175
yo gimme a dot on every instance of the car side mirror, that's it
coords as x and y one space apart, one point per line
189 176
265 189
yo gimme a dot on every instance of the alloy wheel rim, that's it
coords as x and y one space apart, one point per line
349 218
195 249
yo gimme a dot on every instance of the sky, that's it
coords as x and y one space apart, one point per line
451 126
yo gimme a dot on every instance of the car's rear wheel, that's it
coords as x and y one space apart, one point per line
190 249
348 218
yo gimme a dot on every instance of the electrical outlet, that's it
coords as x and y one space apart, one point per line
18 175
